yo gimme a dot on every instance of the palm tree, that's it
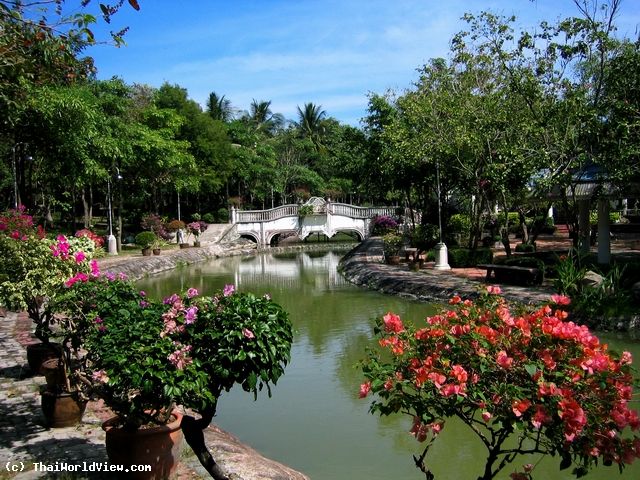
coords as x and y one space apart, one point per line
310 123
263 119
219 108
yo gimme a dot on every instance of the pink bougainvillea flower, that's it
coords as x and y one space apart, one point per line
79 257
248 333
504 360
95 269
190 314
100 376
180 358
228 290
520 406
392 323
192 292
494 290
365 388
560 299
486 416
455 299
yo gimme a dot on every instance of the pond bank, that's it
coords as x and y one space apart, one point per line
364 266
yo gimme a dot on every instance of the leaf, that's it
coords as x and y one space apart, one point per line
134 4
531 369
566 461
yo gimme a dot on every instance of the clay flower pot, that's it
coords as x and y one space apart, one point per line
62 409
158 446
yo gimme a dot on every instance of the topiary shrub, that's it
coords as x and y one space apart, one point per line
425 237
210 218
464 257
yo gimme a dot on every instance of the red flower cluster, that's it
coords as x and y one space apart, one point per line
494 366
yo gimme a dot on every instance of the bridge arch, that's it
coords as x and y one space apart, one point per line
317 216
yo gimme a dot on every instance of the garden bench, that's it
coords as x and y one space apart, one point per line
513 274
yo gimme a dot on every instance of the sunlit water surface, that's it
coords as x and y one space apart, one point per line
314 421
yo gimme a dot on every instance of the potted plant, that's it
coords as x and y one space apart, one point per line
391 245
196 228
145 240
33 272
305 210
147 356
156 246
177 227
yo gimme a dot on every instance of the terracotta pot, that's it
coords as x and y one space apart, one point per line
53 372
196 243
156 251
158 446
393 259
37 353
185 245
146 252
62 409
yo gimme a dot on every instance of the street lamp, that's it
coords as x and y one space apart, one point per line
442 255
112 245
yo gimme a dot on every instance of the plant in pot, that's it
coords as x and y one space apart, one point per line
392 245
148 356
196 228
33 271
177 227
156 246
145 240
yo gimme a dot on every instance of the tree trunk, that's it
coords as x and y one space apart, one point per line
193 434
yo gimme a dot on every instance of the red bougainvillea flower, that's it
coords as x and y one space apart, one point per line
392 323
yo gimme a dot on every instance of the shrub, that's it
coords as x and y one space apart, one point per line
145 239
425 237
392 244
305 210
525 247
155 224
464 257
175 225
383 224
460 223
210 218
97 240
523 380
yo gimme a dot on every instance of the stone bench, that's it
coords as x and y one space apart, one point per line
512 274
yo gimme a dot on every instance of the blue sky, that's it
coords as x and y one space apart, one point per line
332 52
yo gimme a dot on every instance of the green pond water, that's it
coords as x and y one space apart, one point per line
314 421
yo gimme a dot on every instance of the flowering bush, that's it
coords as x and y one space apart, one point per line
146 355
383 224
34 268
154 223
197 227
97 240
514 377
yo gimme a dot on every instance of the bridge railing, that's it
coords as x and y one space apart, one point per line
353 211
246 216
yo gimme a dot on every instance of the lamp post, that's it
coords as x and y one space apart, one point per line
442 255
112 244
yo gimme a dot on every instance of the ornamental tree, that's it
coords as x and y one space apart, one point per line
524 381
34 268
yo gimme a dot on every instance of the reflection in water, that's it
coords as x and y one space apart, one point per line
315 421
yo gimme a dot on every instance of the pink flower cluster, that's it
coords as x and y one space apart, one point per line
180 357
510 365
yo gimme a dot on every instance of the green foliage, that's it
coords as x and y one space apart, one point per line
145 355
145 239
305 210
459 223
425 237
525 247
464 257
392 244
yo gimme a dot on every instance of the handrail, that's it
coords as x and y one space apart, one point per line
353 211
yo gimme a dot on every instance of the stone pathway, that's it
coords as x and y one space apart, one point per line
24 440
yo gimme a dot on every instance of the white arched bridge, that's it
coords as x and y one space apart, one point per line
265 227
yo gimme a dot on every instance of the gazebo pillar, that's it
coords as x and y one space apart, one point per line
604 240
